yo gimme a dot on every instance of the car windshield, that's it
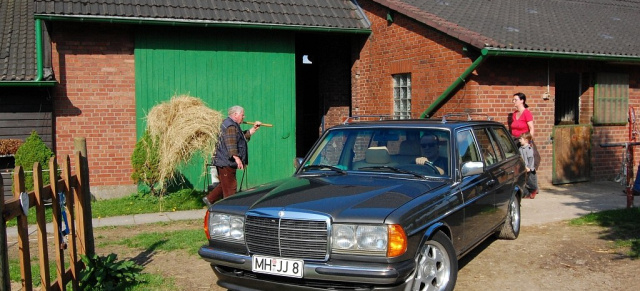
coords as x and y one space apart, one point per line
423 152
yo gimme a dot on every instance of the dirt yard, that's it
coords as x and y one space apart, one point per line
552 256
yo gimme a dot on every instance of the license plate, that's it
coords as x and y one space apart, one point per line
277 266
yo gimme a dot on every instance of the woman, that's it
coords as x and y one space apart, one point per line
521 122
522 119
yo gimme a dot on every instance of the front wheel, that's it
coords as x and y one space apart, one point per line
437 265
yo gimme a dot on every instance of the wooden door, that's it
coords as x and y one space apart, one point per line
571 153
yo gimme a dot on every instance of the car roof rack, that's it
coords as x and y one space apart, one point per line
350 119
468 116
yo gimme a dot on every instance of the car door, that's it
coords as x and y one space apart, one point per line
476 190
512 166
501 177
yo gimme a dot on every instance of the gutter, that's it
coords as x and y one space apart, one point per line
172 22
37 82
489 52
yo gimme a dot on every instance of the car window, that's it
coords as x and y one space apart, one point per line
467 151
331 149
489 154
505 142
420 151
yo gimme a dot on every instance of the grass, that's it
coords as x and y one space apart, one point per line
621 228
189 239
151 281
138 203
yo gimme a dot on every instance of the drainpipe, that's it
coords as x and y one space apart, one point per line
487 52
446 94
37 82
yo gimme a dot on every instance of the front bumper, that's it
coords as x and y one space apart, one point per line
234 272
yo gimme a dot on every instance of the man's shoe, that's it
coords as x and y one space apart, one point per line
533 194
206 201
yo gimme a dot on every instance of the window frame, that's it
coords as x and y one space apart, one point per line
400 96
611 99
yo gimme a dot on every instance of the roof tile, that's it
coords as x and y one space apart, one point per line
581 26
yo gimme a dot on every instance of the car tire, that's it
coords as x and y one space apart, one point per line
436 265
511 227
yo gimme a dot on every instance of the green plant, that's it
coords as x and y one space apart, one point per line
145 161
31 151
105 273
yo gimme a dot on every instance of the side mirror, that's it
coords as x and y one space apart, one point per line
472 168
297 162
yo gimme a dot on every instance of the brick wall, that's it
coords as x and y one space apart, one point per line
435 61
96 97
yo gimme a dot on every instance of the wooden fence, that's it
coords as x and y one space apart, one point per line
80 229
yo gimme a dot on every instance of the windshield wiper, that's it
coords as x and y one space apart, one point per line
394 169
321 167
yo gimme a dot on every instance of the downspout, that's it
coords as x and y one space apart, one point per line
37 82
487 52
446 94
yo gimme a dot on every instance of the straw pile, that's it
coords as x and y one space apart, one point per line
184 125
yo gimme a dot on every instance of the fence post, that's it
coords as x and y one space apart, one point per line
4 260
80 145
57 222
23 232
73 250
43 250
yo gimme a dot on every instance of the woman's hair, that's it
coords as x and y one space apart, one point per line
522 97
527 136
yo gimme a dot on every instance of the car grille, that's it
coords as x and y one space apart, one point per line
291 238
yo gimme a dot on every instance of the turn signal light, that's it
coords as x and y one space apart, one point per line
397 241
206 225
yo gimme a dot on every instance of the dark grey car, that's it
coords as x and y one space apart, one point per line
388 205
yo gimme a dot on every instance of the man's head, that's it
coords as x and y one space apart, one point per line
429 146
236 113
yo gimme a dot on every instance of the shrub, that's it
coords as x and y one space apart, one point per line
31 151
104 273
145 161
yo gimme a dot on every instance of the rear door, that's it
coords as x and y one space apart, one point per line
508 163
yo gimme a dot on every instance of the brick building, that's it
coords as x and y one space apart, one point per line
102 64
472 56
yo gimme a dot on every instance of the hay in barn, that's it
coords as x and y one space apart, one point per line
184 125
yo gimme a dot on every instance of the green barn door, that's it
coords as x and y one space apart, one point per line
253 69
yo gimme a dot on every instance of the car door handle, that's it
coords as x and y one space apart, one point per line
491 183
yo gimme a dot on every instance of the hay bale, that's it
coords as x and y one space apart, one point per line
184 125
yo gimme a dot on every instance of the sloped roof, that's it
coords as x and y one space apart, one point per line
17 41
338 14
17 24
589 27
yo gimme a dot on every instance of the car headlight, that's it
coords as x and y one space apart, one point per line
226 227
374 240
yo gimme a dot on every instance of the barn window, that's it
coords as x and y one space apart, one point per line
611 98
402 96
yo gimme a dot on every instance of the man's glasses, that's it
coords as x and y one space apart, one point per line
428 145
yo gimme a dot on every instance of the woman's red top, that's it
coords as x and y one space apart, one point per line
519 125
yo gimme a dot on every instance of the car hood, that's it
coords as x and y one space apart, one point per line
350 197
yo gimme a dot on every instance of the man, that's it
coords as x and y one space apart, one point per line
231 154
430 148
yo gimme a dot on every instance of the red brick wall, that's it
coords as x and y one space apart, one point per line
403 47
96 97
435 61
